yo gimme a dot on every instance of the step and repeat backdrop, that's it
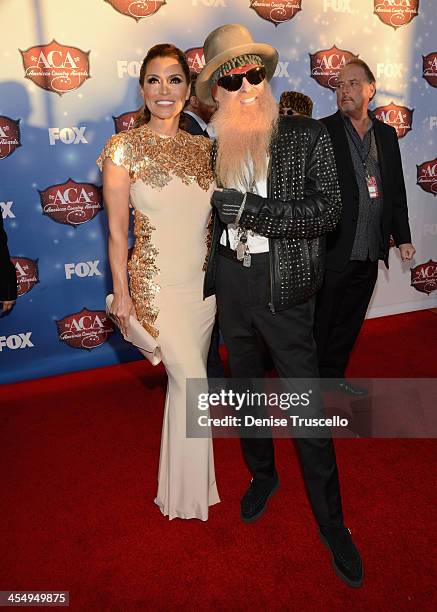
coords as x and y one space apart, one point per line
69 79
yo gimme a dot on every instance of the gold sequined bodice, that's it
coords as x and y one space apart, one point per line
155 159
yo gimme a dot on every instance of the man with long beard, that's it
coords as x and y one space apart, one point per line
277 196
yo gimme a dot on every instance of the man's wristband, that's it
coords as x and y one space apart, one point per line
240 210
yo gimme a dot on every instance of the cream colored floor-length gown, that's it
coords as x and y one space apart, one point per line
170 193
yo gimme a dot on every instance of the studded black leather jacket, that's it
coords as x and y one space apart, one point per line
303 204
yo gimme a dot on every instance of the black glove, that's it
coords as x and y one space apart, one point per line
228 203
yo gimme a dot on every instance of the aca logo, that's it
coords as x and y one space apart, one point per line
399 117
326 65
276 12
427 176
424 277
71 203
10 138
137 8
27 274
86 329
430 68
195 58
126 121
396 13
56 67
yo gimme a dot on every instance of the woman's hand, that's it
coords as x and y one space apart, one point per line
121 309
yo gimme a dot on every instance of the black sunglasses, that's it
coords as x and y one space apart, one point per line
287 111
233 82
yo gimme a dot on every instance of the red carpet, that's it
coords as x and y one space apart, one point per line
79 458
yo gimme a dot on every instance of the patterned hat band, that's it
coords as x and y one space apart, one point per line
236 62
298 101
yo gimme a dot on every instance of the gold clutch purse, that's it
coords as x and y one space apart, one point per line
137 336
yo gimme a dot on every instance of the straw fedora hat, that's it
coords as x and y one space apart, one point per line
225 43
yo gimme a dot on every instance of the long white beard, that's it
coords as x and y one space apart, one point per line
243 137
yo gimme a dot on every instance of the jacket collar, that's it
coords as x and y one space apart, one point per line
199 120
342 145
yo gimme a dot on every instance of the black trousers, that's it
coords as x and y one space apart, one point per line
341 307
242 298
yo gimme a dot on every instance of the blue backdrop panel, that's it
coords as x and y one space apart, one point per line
69 69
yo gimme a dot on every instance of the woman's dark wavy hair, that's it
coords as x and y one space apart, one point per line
163 50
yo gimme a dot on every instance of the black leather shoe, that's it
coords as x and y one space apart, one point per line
345 557
350 389
254 501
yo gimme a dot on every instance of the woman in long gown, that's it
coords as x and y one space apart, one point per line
165 173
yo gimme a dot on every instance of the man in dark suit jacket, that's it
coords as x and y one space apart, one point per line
374 207
8 275
197 114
